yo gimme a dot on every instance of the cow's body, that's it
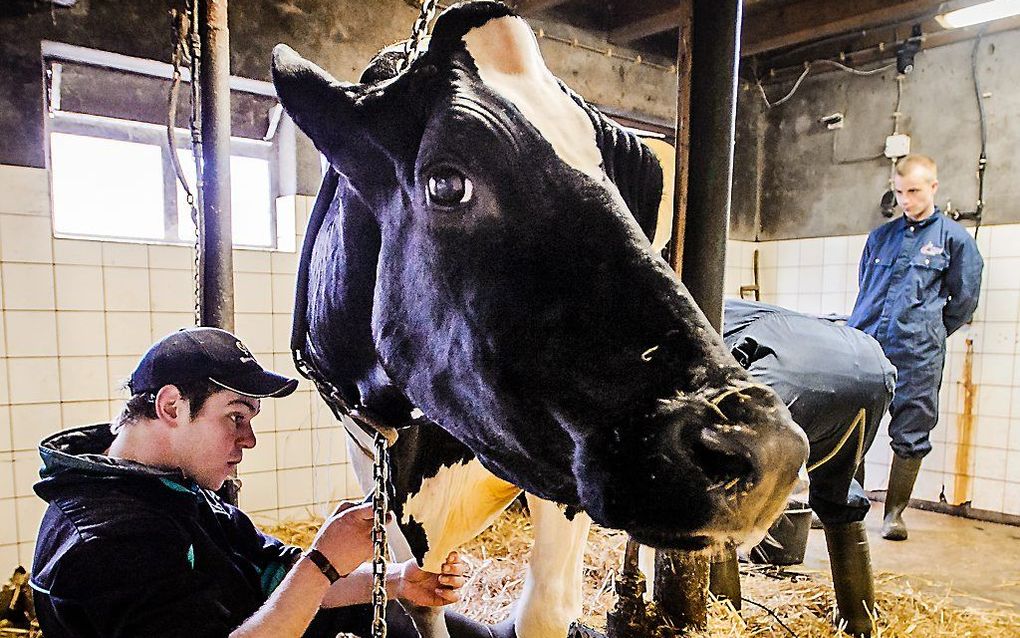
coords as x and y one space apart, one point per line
480 254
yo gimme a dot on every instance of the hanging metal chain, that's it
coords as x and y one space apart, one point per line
380 505
186 46
421 25
196 151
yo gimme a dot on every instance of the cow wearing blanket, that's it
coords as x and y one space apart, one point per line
477 264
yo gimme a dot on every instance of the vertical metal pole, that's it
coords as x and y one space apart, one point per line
700 229
216 264
716 35
724 577
216 258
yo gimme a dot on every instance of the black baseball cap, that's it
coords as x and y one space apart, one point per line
192 354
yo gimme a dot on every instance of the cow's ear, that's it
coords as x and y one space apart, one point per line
346 122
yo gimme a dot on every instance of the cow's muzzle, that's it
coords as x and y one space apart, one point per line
705 468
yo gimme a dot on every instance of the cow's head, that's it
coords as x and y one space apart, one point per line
482 261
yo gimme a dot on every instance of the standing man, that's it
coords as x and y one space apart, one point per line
135 542
919 281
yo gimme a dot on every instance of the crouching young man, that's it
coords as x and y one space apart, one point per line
136 543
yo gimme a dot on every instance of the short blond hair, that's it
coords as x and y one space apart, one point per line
915 161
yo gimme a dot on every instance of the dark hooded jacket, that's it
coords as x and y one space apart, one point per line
125 549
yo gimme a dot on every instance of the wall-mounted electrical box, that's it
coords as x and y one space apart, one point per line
897 146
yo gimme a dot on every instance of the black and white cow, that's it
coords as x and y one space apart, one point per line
476 256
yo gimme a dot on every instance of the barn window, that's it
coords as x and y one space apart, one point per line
111 170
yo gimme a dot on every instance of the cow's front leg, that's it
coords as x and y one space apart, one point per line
552 585
427 620
450 508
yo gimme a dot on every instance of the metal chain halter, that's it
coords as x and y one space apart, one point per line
385 434
421 25
381 470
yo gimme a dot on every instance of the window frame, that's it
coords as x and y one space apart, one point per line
277 148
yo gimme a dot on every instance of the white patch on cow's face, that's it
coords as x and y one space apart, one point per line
510 63
456 505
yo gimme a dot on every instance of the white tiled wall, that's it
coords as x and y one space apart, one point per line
77 315
820 276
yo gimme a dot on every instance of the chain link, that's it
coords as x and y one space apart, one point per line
421 25
380 496
380 505
196 148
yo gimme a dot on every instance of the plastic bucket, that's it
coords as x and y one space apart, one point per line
787 538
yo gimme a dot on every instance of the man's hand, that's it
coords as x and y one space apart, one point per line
419 587
346 537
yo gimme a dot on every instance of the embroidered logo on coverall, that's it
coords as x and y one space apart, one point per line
931 249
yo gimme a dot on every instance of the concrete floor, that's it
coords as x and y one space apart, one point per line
978 563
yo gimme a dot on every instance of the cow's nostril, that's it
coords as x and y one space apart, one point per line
725 463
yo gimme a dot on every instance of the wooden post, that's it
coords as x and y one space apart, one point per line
681 589
683 136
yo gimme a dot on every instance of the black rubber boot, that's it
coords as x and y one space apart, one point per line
851 576
816 523
902 475
724 577
461 626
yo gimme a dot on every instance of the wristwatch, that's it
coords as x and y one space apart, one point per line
326 567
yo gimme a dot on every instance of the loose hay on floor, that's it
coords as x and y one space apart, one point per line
800 601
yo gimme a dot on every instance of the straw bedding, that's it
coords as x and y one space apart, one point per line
800 601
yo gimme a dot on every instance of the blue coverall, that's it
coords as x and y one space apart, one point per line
825 373
919 282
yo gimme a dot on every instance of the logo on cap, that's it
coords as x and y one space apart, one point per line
247 357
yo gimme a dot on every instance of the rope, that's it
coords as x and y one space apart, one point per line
858 425
178 40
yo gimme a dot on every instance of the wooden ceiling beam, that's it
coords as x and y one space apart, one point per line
636 20
770 25
527 7
808 20
632 26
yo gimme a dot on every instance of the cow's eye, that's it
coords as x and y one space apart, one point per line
448 187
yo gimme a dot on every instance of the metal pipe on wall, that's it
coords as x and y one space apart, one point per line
216 263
